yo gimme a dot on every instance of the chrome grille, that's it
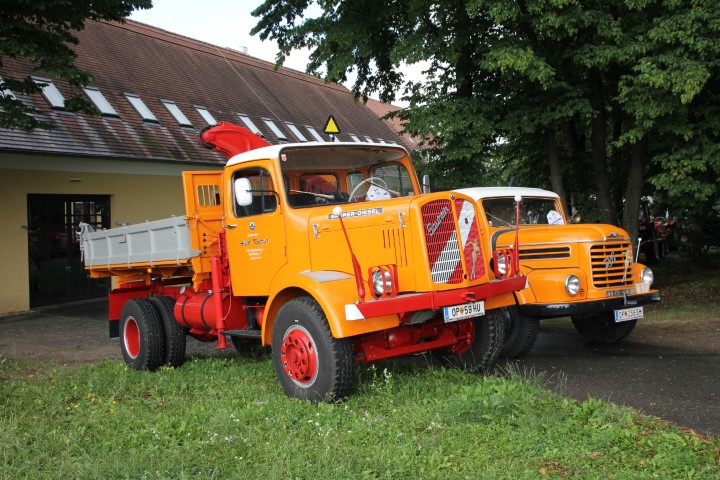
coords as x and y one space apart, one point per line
544 253
611 265
442 243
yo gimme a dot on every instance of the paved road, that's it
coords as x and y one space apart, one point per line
680 384
663 372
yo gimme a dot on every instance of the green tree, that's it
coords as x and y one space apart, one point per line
41 31
586 97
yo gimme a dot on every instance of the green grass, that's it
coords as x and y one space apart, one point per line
227 418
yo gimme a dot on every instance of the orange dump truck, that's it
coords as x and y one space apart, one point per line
328 252
585 271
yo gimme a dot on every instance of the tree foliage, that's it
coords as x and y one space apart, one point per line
41 31
589 97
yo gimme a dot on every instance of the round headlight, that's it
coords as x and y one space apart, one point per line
572 285
382 282
501 264
647 276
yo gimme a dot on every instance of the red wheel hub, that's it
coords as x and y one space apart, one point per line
131 337
298 356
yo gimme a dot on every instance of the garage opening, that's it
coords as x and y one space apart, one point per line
56 270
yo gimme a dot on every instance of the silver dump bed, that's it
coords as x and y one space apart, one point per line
148 243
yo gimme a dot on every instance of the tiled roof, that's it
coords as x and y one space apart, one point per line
381 109
158 65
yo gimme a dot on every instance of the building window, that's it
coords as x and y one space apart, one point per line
6 92
249 123
50 92
355 138
100 102
177 113
141 108
314 133
205 114
279 134
296 132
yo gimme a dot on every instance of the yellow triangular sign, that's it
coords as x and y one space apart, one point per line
331 127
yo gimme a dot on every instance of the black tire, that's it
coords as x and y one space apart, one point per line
174 352
310 363
521 332
141 336
485 348
601 327
249 348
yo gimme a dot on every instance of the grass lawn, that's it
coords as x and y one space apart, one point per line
228 418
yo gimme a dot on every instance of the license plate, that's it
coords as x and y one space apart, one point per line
628 314
460 312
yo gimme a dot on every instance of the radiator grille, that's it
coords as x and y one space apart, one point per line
442 242
611 265
544 253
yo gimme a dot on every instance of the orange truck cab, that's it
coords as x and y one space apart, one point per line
328 252
585 271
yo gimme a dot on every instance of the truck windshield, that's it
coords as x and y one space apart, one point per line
344 173
533 211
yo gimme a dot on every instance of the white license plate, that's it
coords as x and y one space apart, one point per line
460 312
628 314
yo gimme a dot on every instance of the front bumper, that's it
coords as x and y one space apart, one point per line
549 310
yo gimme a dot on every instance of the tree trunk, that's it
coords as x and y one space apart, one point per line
555 171
633 191
599 148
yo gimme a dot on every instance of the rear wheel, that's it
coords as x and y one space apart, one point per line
141 336
520 332
174 353
601 327
310 363
487 341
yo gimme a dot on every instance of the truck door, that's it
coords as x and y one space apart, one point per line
255 233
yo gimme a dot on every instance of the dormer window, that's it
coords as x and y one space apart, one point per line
205 114
279 134
296 132
6 91
100 102
141 108
249 123
50 92
314 133
177 113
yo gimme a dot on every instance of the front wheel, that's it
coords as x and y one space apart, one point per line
310 363
487 341
601 327
141 335
521 332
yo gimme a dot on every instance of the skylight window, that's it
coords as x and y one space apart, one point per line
249 123
355 138
368 139
177 113
206 115
6 91
141 108
314 133
280 135
50 92
100 102
296 132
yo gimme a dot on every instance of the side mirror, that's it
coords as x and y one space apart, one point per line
243 192
426 184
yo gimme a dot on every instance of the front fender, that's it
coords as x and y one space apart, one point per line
332 290
548 286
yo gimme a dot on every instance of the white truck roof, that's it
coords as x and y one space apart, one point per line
273 151
492 192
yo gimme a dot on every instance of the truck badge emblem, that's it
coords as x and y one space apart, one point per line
609 261
252 225
432 228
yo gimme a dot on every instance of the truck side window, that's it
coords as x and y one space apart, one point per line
263 193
